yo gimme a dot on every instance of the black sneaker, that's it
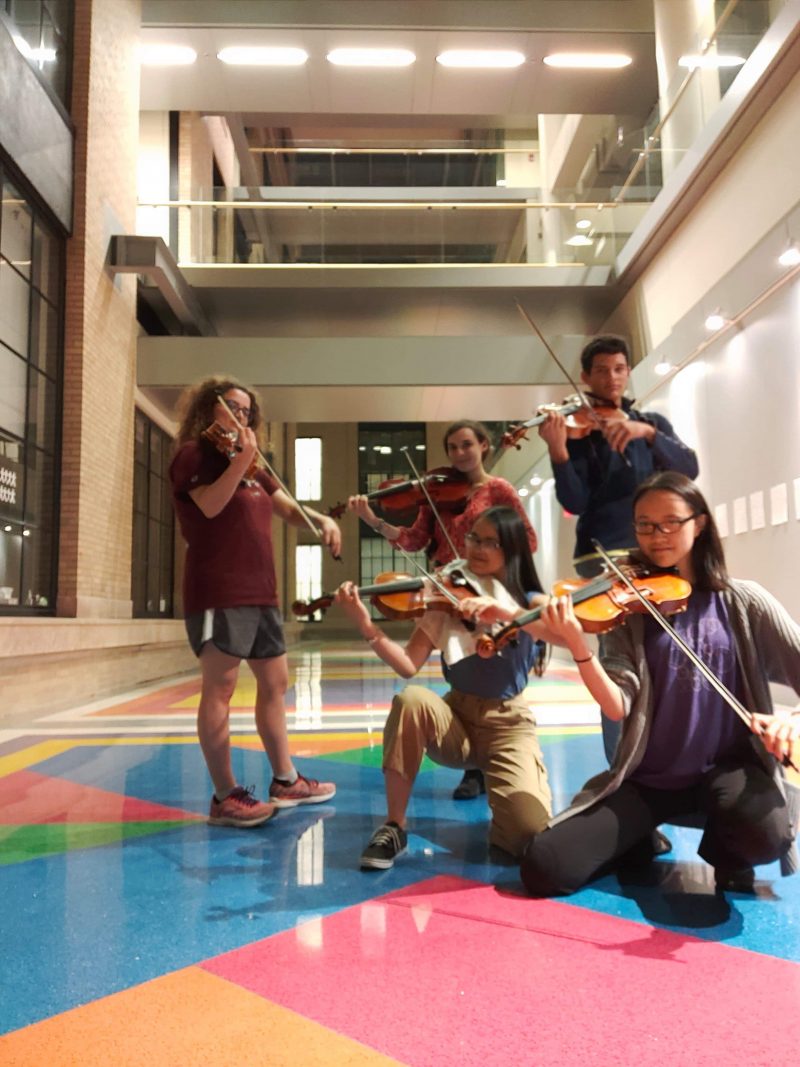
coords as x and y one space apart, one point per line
470 786
386 844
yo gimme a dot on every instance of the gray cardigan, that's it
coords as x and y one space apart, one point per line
768 649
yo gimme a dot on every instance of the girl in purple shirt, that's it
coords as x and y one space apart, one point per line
683 751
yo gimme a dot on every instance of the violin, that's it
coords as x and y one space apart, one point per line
512 438
227 442
602 603
402 596
585 420
447 487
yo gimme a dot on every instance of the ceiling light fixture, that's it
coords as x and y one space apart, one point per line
710 61
579 240
715 321
536 480
662 367
588 60
523 491
166 55
582 224
475 58
371 57
790 257
246 56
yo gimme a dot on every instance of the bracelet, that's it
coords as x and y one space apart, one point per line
585 659
375 637
380 527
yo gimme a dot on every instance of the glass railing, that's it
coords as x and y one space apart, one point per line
243 229
376 202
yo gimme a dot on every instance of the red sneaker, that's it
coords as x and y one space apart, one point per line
303 791
240 808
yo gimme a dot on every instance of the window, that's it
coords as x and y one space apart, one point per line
308 571
152 570
31 310
308 468
381 456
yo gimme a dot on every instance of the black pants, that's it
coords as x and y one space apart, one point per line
747 823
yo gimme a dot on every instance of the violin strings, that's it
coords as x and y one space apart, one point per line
433 508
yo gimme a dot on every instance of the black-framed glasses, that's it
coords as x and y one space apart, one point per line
669 526
481 542
236 409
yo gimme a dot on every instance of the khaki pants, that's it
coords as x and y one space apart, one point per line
497 736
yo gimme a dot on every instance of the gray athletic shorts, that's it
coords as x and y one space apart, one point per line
250 632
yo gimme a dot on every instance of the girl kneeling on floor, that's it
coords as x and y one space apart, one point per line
484 720
683 750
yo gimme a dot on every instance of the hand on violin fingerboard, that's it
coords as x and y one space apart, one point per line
553 432
360 505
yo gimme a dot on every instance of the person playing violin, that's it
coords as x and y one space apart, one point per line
596 475
468 446
225 508
683 751
483 720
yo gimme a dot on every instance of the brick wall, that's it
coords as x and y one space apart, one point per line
100 325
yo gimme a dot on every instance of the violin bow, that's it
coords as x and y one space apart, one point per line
433 507
735 704
270 470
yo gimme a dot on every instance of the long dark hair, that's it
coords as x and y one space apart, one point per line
480 431
196 408
521 578
708 557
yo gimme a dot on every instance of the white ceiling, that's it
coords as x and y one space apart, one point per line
394 104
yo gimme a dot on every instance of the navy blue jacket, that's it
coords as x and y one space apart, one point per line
597 484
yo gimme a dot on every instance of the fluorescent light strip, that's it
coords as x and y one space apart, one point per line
710 61
166 55
588 60
371 57
246 56
487 59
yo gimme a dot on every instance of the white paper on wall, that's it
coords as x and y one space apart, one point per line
778 504
740 515
757 517
721 519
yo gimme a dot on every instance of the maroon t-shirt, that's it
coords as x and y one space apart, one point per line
229 561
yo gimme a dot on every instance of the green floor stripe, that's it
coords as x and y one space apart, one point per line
21 843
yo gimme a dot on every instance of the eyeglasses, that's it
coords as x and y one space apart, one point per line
670 526
481 542
235 409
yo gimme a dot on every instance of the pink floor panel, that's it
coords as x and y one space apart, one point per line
451 972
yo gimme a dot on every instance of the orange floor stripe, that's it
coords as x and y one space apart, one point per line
189 1017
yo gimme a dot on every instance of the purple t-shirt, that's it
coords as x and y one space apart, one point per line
693 728
229 560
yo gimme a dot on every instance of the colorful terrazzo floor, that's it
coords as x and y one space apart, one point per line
134 933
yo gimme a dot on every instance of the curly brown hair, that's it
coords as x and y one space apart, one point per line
196 408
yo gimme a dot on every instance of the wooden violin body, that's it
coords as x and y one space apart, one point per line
401 596
600 604
447 487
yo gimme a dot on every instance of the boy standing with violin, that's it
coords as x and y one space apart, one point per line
598 468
